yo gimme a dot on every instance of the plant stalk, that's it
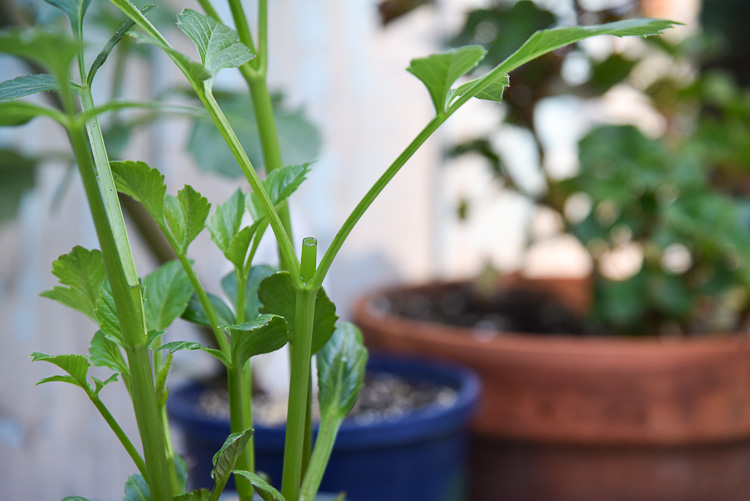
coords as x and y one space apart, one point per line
319 460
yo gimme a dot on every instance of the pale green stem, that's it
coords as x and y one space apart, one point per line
321 454
121 436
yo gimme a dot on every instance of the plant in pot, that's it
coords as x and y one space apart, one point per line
650 377
133 313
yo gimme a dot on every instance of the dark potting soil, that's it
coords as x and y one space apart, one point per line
384 397
505 310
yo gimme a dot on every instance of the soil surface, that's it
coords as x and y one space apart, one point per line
503 311
384 397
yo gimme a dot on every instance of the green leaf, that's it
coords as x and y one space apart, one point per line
18 174
194 71
191 346
101 58
75 498
279 184
299 139
181 467
225 459
106 315
196 314
82 271
77 366
53 50
186 216
199 495
136 489
224 225
492 91
263 334
99 384
341 371
104 352
13 113
439 71
27 85
265 490
74 9
143 184
545 41
167 292
276 293
254 278
218 45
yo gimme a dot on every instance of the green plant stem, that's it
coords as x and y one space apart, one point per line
236 411
300 348
240 22
323 446
369 198
129 305
209 9
121 436
174 480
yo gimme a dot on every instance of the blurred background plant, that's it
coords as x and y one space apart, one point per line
661 209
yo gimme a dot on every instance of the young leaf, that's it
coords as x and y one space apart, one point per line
225 459
263 334
27 85
101 58
192 70
186 216
99 384
77 367
265 490
218 45
492 91
74 9
255 277
196 314
167 292
191 346
143 184
276 293
53 50
199 495
224 225
341 371
106 315
439 71
82 271
104 352
280 184
14 113
136 489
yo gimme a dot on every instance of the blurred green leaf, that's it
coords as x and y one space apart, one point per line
341 371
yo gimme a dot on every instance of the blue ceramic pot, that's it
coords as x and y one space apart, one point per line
420 457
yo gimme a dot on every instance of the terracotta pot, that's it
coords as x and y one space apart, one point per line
593 417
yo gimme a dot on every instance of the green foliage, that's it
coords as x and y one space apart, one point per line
104 352
299 140
136 489
256 275
28 85
279 184
341 371
54 51
199 495
167 292
262 334
14 113
74 9
176 346
76 367
263 488
276 293
224 226
218 45
186 216
196 314
82 272
225 459
17 172
143 184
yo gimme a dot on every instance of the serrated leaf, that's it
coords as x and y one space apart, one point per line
493 91
263 334
104 352
186 216
99 384
265 490
74 9
106 315
82 271
219 46
136 489
176 346
13 113
27 85
143 184
77 366
279 184
254 278
199 495
438 72
224 225
299 139
225 459
166 294
276 293
53 50
101 58
341 371
196 314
